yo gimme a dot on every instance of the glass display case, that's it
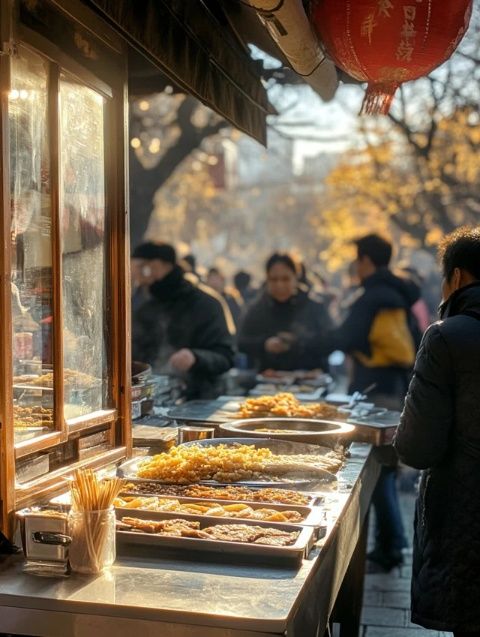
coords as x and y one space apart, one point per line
65 364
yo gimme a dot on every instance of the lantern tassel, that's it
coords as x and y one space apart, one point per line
378 98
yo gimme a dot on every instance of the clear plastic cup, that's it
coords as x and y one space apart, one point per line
93 540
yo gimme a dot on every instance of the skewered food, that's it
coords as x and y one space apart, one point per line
212 509
270 495
285 405
225 463
222 532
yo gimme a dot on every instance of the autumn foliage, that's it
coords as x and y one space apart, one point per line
418 185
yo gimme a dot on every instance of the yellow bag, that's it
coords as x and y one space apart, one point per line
391 341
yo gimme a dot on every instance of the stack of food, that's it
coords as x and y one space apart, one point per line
213 509
71 379
232 463
285 405
35 416
223 532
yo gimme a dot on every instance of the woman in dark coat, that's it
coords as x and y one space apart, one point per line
440 433
285 329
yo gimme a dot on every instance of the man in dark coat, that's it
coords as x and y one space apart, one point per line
440 433
376 330
182 329
376 333
307 319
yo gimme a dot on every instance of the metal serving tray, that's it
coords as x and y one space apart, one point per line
129 469
312 516
296 377
312 499
202 411
303 393
293 554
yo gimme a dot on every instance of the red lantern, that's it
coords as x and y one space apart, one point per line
387 42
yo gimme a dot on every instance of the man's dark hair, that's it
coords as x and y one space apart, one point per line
285 259
376 248
191 260
242 280
215 271
151 251
461 249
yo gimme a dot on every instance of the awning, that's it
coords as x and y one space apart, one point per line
185 41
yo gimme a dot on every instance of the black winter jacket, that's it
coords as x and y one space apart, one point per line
440 432
181 314
380 291
307 319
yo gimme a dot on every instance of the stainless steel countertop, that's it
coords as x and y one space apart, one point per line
247 598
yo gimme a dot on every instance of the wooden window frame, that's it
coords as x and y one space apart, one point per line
116 420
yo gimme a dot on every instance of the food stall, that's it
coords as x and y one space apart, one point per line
65 373
202 596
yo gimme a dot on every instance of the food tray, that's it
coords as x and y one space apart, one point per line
129 468
202 411
312 516
292 555
301 392
312 499
296 377
308 430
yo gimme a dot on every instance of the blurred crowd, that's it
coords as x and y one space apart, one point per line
191 322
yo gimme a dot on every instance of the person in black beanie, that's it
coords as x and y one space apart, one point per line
182 328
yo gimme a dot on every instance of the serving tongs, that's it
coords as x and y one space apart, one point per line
360 410
358 397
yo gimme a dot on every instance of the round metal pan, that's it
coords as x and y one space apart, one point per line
309 430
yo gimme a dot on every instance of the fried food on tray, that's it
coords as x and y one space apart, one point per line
285 405
35 416
222 532
183 465
270 495
232 463
213 509
71 379
174 527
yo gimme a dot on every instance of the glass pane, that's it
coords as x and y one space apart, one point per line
82 206
31 246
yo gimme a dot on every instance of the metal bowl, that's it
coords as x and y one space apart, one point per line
325 432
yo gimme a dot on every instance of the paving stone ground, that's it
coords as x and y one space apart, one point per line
386 603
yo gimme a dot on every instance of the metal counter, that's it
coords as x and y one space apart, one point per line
158 596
